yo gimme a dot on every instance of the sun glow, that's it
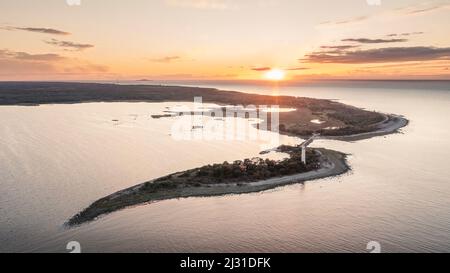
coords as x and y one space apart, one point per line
275 74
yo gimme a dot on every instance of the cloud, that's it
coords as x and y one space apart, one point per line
424 8
69 45
166 59
266 68
13 63
24 56
85 67
420 8
412 65
380 55
261 68
13 67
374 41
339 47
417 9
405 34
297 68
51 31
344 22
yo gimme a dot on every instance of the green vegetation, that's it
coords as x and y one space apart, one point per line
350 120
233 178
240 171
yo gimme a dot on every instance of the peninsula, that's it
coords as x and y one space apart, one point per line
241 176
335 119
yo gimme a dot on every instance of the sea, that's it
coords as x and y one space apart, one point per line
56 160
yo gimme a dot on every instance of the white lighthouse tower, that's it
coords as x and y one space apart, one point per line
305 145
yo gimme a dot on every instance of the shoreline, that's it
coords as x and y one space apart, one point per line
333 163
347 119
393 125
390 126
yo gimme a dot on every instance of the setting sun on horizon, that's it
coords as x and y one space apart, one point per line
275 74
196 40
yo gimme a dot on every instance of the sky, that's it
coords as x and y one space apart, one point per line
224 39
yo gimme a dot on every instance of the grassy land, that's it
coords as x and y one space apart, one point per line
250 175
343 118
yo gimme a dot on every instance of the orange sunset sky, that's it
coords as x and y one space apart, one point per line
224 39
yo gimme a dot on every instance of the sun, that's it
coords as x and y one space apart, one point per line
275 74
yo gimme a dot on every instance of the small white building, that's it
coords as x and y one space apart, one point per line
305 145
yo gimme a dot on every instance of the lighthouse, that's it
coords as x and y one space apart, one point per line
304 154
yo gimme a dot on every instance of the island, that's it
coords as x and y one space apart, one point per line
238 177
309 117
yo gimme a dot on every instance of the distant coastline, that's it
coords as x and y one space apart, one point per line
345 120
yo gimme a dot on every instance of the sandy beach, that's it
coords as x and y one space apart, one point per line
392 124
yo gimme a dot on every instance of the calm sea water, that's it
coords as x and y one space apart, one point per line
57 159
